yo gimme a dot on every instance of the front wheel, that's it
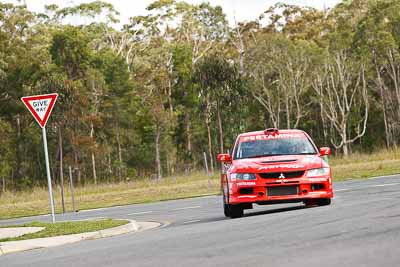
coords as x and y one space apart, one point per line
317 202
226 207
232 211
235 211
323 201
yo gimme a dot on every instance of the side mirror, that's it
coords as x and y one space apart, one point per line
325 151
224 158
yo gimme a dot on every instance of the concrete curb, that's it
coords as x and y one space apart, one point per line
11 232
22 245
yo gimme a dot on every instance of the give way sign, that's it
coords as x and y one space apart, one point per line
40 106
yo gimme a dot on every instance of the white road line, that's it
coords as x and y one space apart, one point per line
382 177
90 210
191 221
140 213
364 187
88 219
381 185
188 208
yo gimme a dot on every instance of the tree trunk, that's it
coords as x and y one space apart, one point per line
3 185
388 133
189 136
119 154
109 167
188 143
287 112
168 165
346 150
221 133
93 158
208 122
158 162
60 148
344 140
94 169
17 173
54 168
77 165
210 154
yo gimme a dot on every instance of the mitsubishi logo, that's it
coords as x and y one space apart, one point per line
282 176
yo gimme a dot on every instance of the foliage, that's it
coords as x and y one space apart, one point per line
147 100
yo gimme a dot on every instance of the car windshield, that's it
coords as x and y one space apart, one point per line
274 147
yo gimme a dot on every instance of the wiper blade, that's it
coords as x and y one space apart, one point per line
263 155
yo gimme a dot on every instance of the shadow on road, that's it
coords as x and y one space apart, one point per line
278 210
250 214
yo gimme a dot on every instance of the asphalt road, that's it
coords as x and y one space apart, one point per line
360 228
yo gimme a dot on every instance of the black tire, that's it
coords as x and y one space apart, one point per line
309 203
226 207
231 211
235 211
323 201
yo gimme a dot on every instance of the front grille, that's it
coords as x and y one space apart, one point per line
317 187
283 182
282 190
276 175
246 191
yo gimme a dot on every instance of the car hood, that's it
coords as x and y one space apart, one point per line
284 163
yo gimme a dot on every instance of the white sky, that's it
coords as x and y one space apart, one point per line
241 9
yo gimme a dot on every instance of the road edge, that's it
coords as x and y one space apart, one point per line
23 245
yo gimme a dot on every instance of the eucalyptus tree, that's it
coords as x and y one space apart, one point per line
342 82
280 69
377 40
152 80
343 93
190 30
5 154
19 67
219 83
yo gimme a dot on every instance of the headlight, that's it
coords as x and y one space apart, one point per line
242 176
318 172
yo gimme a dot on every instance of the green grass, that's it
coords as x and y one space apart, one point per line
36 201
65 228
358 166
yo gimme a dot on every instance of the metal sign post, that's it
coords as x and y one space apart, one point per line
71 187
46 155
40 106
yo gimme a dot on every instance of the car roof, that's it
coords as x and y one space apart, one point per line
286 131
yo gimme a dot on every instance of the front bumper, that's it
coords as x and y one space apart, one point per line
265 191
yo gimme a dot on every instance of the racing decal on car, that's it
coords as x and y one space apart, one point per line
281 166
270 136
246 183
247 196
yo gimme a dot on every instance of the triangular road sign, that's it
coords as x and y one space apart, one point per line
40 106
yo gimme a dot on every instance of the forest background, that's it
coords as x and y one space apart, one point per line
150 99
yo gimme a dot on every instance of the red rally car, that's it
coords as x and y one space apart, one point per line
274 166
